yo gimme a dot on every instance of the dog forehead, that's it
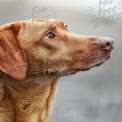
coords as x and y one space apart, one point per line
45 20
42 24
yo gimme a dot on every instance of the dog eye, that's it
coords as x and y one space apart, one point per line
50 35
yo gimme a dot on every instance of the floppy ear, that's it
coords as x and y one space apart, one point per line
12 57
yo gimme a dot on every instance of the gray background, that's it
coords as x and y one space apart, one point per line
95 95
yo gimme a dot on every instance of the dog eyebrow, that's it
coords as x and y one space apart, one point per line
52 27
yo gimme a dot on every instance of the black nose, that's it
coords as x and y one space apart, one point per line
106 43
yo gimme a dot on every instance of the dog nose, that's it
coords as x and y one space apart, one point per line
106 43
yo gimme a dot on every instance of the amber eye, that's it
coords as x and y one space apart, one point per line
50 35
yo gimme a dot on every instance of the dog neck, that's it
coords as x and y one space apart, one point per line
29 101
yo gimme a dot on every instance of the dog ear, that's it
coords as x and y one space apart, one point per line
12 57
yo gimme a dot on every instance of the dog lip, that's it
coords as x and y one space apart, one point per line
99 64
71 71
74 71
85 69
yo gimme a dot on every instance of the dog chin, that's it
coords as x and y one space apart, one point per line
75 70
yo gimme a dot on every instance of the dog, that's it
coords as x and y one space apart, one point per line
34 54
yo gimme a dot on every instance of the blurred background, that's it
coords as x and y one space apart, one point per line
95 95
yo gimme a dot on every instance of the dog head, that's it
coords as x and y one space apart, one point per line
49 48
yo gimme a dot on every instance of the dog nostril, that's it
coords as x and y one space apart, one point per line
106 43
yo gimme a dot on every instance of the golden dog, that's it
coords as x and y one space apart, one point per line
33 56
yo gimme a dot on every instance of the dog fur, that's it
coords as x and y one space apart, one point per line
31 64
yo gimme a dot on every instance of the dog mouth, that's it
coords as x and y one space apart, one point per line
75 70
